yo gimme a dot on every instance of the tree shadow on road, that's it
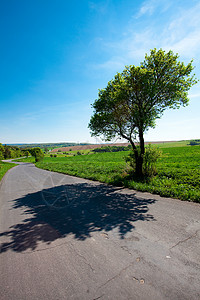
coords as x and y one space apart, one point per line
74 209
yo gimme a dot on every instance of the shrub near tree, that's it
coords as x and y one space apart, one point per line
135 98
152 153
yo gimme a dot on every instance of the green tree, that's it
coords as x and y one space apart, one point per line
37 153
26 153
135 98
7 152
1 151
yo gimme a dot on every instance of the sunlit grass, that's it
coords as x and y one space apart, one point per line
178 171
4 167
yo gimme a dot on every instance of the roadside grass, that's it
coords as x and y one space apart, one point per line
4 167
30 159
178 171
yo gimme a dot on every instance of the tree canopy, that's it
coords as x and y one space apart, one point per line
135 98
37 153
7 152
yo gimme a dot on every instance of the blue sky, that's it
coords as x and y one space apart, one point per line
55 55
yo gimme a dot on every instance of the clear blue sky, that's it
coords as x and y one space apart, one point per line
55 55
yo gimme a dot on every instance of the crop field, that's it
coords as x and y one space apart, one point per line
101 166
178 171
89 147
4 167
172 144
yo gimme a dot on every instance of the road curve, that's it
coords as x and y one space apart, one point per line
63 237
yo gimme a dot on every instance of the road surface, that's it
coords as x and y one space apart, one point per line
63 237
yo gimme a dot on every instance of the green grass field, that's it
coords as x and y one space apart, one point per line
102 167
4 167
173 144
178 171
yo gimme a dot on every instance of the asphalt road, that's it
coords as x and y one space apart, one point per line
63 237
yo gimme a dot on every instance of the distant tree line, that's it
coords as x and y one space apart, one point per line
7 152
47 146
194 142
112 149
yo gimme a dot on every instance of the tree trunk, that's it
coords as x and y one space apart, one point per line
138 160
139 164
139 154
141 137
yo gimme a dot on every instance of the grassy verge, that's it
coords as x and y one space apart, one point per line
28 159
178 171
4 167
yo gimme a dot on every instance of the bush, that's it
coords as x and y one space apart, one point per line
194 142
26 153
150 158
1 155
112 149
38 157
37 153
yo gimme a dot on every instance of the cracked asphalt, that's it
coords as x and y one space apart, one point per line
63 237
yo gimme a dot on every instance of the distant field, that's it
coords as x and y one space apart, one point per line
172 144
178 171
4 167
86 147
90 147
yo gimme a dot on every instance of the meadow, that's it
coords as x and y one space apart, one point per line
178 171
